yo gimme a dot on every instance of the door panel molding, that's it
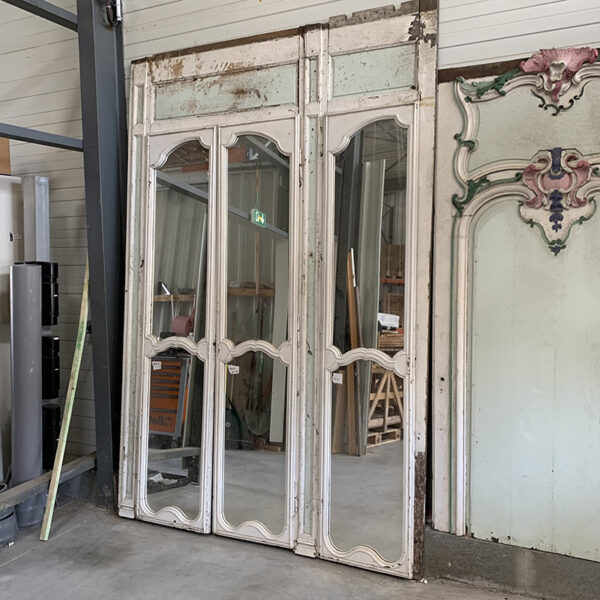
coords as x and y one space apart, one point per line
173 515
339 131
284 133
310 132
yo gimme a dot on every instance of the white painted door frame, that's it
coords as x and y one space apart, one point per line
332 103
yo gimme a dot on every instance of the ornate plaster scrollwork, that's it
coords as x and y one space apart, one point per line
556 178
558 182
555 71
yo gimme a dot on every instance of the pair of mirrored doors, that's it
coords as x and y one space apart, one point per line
274 409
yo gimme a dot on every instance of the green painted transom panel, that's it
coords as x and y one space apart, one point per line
383 69
269 86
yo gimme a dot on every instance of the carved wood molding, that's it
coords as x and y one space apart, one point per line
557 182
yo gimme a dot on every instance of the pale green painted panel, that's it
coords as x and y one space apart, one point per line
535 410
370 71
269 86
501 136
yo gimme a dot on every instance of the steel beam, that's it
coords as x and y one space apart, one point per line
48 11
258 145
105 168
24 134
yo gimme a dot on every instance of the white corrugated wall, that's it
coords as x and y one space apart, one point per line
39 87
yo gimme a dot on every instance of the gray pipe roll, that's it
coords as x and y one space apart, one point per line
26 371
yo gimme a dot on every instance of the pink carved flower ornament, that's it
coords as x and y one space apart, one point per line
557 67
559 173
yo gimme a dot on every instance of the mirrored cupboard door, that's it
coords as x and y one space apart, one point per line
176 429
279 229
367 394
258 294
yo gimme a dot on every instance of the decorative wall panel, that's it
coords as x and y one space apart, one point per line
513 245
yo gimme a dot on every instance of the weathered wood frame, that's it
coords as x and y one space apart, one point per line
318 126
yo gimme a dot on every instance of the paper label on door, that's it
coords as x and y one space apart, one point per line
337 378
156 365
233 369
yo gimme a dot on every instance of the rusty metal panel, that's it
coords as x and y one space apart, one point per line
382 69
270 86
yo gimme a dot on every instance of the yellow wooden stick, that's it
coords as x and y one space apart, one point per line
69 401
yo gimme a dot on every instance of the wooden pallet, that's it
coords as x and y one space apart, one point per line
386 411
378 438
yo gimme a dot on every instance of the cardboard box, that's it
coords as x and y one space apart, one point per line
4 157
394 304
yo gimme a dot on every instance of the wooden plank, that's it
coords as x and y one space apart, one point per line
174 297
267 292
376 422
378 438
183 25
353 446
339 417
170 453
68 410
456 10
33 487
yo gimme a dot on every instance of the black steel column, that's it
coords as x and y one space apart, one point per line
105 165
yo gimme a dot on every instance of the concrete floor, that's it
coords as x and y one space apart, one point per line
95 555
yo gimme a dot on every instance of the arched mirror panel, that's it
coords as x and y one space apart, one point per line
258 198
252 474
367 446
176 378
370 238
180 243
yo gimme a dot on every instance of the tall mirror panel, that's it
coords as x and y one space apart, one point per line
367 410
179 310
257 309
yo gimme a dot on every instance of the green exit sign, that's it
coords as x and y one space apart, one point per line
259 218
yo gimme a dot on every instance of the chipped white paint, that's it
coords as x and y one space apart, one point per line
306 528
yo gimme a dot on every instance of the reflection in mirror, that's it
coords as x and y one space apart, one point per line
257 272
175 431
255 463
180 243
367 412
367 459
370 235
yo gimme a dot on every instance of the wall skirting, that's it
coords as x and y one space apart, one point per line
510 568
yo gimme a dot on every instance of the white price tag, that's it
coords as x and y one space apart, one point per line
156 365
233 369
337 378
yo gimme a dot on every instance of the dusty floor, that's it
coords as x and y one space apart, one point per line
92 554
